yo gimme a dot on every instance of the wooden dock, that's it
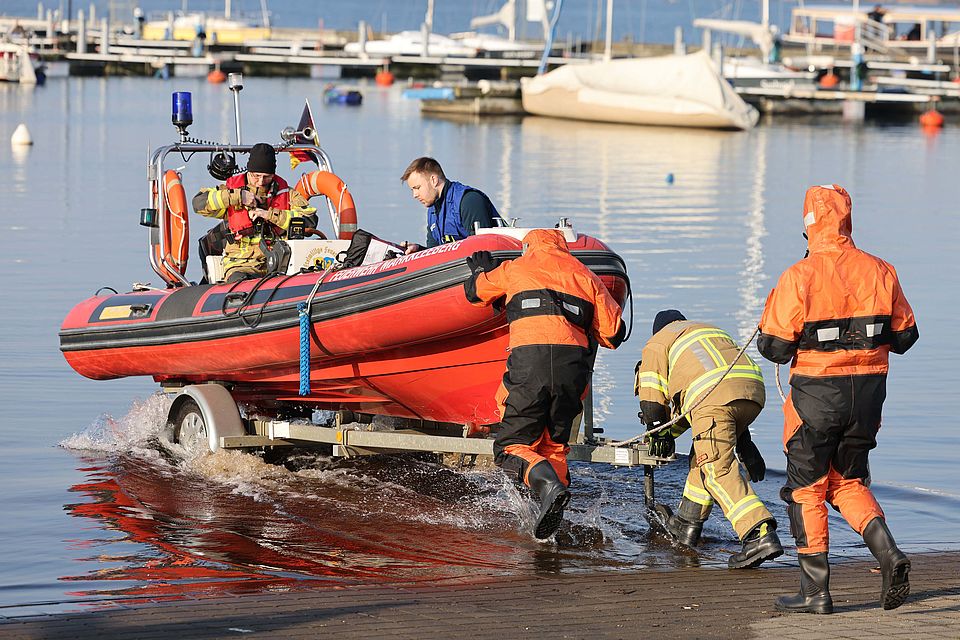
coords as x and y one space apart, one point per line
813 101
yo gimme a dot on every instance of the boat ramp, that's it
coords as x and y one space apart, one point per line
689 602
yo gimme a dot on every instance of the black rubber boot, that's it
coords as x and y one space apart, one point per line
894 565
814 596
679 528
759 545
554 497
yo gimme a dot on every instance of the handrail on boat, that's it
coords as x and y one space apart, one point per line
158 197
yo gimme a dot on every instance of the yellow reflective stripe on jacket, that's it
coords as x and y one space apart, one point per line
215 200
702 383
655 381
700 335
714 352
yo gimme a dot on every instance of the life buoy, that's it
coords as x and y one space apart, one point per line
329 185
175 239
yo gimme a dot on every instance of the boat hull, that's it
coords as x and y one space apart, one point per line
395 338
676 91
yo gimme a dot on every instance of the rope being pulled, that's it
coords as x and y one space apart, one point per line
670 423
776 373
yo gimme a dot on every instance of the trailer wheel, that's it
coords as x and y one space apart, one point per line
201 415
189 429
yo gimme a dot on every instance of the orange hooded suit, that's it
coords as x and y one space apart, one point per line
836 314
555 306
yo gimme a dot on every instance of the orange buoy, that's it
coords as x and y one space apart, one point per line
216 76
931 118
384 78
830 80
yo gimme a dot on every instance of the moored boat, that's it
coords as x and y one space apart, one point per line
677 91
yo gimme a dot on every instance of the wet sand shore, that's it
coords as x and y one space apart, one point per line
704 602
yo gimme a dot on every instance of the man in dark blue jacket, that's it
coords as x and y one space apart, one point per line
454 210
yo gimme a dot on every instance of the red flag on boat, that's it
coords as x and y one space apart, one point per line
305 125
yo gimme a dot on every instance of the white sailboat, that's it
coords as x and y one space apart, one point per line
466 44
766 70
497 45
677 91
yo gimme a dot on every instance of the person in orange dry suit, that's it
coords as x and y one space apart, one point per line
836 314
555 308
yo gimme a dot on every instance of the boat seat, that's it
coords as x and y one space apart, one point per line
211 246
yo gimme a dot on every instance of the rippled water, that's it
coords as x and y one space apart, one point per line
96 510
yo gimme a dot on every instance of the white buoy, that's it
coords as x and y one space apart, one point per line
21 136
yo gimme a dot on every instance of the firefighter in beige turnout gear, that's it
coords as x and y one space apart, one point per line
257 206
680 363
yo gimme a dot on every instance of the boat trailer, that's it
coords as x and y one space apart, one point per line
206 415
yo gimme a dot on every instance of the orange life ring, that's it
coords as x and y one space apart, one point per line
329 185
175 239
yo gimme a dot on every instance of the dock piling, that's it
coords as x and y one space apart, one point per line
81 33
104 36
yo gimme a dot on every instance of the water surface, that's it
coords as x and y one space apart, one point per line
95 510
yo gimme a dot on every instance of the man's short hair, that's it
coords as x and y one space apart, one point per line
424 165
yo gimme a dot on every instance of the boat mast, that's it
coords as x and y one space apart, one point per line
608 48
264 14
426 29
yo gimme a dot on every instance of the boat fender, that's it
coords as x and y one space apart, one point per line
175 240
329 185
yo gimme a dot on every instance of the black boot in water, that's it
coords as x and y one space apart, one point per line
677 527
894 565
814 596
554 497
759 545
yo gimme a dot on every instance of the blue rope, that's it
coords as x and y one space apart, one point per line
304 349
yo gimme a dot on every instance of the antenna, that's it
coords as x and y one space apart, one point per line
235 83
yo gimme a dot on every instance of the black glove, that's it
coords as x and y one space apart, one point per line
662 444
481 261
750 457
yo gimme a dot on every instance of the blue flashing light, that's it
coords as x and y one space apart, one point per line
182 109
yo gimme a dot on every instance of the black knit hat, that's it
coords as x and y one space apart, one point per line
665 317
262 159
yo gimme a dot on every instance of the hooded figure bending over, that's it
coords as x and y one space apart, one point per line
556 308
